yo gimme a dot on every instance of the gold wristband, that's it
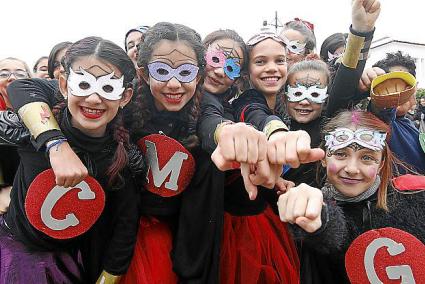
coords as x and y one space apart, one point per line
38 118
273 126
352 50
107 278
219 128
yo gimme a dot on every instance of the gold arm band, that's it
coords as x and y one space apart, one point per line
352 50
273 126
219 128
38 118
107 278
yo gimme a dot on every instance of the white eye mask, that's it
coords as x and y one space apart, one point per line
85 84
313 94
342 137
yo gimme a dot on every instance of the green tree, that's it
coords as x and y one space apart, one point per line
420 93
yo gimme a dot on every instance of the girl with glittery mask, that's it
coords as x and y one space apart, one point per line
300 40
185 202
88 104
359 195
245 214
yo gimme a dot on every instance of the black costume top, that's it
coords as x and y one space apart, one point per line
196 214
108 244
348 220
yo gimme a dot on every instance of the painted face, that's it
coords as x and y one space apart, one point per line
86 88
353 169
58 68
267 67
295 45
10 70
178 61
41 71
224 59
310 85
133 40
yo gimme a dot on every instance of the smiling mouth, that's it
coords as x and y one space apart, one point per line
214 81
173 98
92 113
303 111
270 79
350 180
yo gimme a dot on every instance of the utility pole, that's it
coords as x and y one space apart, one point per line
277 23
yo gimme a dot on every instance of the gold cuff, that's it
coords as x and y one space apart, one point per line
38 118
352 50
107 278
273 126
219 128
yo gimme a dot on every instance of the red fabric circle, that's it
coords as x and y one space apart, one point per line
171 166
379 243
76 202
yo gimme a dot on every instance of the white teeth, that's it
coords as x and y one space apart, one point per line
92 111
304 111
174 97
270 79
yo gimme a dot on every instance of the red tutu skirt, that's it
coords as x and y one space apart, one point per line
257 249
151 262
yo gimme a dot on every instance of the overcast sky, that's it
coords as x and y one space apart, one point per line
32 27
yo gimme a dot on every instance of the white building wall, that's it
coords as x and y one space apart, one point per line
380 47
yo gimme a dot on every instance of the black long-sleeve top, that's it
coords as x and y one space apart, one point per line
349 220
108 245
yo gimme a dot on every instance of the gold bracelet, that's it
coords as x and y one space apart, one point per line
352 50
107 278
38 118
273 126
219 128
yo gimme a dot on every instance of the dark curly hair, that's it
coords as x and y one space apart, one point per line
141 106
397 59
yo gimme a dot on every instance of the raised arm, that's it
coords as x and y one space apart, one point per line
344 88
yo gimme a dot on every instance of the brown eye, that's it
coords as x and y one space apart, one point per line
314 95
342 138
229 68
298 94
84 85
215 59
293 46
366 137
185 73
162 71
107 88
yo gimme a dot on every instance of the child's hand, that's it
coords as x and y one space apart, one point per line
364 14
292 148
302 205
283 185
239 143
367 77
67 166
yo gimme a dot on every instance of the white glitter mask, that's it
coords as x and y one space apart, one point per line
342 137
85 84
313 94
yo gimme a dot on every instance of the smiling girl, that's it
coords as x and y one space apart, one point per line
96 86
359 193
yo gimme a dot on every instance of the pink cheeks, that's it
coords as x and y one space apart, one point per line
372 172
332 168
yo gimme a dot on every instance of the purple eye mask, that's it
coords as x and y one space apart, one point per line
163 72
